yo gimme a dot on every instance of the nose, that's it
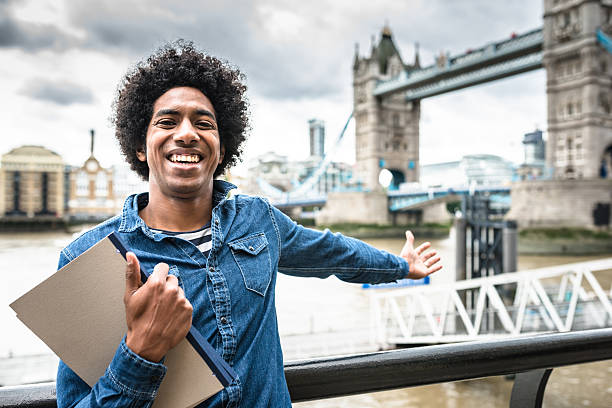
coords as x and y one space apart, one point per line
186 133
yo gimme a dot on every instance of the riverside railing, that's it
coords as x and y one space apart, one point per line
531 358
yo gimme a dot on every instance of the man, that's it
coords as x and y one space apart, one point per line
180 119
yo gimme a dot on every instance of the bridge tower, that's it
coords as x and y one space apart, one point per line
386 129
579 146
579 88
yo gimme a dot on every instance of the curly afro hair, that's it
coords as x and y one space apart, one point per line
173 65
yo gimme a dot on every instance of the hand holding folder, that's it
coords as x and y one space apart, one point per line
157 313
79 313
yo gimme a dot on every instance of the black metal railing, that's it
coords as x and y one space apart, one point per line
531 357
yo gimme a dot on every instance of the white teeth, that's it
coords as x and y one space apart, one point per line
185 158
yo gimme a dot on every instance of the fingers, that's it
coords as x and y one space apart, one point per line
159 275
423 247
432 261
429 254
434 269
173 284
171 281
132 274
409 236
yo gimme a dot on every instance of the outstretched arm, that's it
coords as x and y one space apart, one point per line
309 253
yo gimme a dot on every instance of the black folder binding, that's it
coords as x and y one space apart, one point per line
223 371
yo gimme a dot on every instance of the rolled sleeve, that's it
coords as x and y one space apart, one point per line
135 376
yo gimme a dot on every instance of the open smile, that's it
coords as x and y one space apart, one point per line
184 158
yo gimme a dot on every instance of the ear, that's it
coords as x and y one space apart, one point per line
222 155
141 155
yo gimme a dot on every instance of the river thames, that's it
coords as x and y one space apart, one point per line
316 317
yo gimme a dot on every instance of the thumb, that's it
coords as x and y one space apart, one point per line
409 237
132 274
408 245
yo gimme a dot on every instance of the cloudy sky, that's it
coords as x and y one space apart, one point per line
61 61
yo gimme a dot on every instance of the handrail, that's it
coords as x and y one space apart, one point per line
337 376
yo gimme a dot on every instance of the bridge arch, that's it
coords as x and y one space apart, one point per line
398 178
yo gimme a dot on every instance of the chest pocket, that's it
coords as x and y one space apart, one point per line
253 258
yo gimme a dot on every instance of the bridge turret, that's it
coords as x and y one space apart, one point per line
386 128
579 87
356 59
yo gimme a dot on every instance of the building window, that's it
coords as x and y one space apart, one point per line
566 19
82 184
101 184
16 192
44 193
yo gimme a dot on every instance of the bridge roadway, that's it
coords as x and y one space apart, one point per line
520 53
403 201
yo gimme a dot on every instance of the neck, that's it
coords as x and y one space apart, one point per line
176 213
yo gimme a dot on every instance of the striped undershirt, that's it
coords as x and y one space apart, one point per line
201 238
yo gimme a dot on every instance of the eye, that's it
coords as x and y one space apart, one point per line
204 125
165 122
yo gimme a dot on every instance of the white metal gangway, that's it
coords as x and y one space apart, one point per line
553 299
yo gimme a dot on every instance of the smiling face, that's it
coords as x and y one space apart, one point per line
182 144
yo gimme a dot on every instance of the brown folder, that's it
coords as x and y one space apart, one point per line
79 313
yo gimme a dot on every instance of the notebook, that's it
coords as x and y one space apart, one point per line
79 313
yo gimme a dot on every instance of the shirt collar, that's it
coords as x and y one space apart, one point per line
130 220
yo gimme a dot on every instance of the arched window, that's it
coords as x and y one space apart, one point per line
101 184
605 169
82 184
396 120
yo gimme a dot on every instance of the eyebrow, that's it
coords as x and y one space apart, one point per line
201 112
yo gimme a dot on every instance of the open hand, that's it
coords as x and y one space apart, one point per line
421 263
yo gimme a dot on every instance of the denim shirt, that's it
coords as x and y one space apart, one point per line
232 294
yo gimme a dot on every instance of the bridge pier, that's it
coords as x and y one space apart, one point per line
559 203
433 213
355 207
436 214
358 207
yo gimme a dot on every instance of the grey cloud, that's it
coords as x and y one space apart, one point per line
314 61
275 68
58 92
29 36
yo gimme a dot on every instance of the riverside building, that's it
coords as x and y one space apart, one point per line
32 184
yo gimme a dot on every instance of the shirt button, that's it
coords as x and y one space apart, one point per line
251 248
217 221
223 320
212 269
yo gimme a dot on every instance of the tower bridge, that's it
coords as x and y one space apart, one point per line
574 46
